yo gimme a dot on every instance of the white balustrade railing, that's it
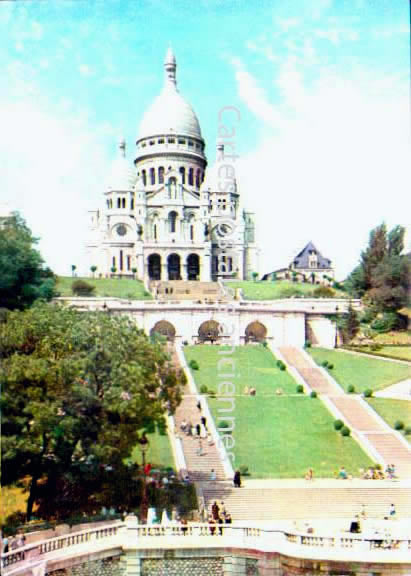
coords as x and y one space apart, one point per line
128 534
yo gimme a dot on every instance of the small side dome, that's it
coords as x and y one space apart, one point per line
122 174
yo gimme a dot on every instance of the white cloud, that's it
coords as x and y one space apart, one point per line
52 165
337 167
85 70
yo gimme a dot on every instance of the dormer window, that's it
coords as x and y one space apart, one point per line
171 140
181 141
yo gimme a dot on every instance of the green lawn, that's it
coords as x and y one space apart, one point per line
399 352
281 437
254 367
361 371
267 290
115 287
392 410
159 453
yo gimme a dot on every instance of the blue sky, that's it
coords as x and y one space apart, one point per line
322 87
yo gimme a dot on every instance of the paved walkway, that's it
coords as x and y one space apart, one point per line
399 391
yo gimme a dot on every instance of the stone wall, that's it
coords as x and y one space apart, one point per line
182 567
104 567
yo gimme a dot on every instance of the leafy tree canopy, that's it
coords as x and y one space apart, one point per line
382 276
77 387
23 277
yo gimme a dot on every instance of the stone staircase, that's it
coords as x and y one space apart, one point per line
198 467
188 290
312 375
310 501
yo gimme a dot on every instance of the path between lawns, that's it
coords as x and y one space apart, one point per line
375 356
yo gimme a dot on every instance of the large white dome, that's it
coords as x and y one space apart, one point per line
170 113
122 175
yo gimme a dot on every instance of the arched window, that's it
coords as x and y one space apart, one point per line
191 232
198 179
113 262
132 203
128 262
191 177
161 175
144 176
108 203
118 202
123 203
155 231
183 174
121 260
172 219
152 176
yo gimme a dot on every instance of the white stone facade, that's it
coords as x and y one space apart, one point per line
168 217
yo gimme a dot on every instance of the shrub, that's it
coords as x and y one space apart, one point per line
307 344
345 431
194 365
244 471
407 430
324 363
313 394
212 393
351 389
385 322
375 347
368 393
82 288
185 343
330 366
338 424
300 389
203 389
265 343
224 427
398 425
281 365
324 292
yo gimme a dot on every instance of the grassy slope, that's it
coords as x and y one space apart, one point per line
275 436
281 437
361 371
159 453
275 290
392 410
115 287
396 352
254 366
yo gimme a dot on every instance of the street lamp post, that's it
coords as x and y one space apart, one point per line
143 446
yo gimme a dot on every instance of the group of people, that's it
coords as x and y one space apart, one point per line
376 473
220 516
198 431
10 544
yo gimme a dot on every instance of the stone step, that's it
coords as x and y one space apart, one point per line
298 503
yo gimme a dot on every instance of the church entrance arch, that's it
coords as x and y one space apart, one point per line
154 267
173 267
255 332
164 328
209 331
193 267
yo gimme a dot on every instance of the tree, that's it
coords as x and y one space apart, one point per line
350 324
255 276
24 277
382 276
113 269
73 269
93 270
77 387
